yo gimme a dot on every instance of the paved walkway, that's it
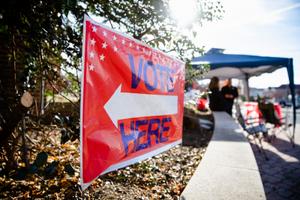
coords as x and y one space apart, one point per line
281 172
223 173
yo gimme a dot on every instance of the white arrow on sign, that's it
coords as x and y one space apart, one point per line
123 105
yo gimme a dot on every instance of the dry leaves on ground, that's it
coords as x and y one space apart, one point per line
56 175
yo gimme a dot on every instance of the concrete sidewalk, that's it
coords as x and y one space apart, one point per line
228 169
281 173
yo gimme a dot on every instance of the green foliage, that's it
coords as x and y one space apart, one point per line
151 22
43 168
192 74
41 159
44 41
69 169
51 169
46 35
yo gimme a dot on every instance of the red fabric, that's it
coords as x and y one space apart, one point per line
252 110
278 110
201 105
106 67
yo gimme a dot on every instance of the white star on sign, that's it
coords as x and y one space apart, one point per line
137 47
104 33
114 37
123 41
94 28
102 57
93 42
104 45
130 44
115 49
92 54
91 67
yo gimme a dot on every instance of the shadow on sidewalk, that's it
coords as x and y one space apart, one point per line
281 172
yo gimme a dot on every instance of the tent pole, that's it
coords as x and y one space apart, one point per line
247 89
292 88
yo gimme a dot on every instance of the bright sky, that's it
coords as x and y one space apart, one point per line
258 27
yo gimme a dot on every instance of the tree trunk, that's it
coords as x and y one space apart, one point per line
11 110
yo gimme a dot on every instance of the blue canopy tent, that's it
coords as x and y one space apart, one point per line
244 66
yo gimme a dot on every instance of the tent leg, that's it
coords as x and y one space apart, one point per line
246 89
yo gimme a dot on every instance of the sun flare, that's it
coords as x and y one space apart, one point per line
184 12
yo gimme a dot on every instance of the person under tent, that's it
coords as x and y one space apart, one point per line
230 93
216 99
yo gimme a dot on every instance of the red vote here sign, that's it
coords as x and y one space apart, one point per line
132 101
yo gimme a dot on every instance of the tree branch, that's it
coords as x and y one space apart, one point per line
53 86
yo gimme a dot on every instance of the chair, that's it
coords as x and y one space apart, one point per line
255 127
278 124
